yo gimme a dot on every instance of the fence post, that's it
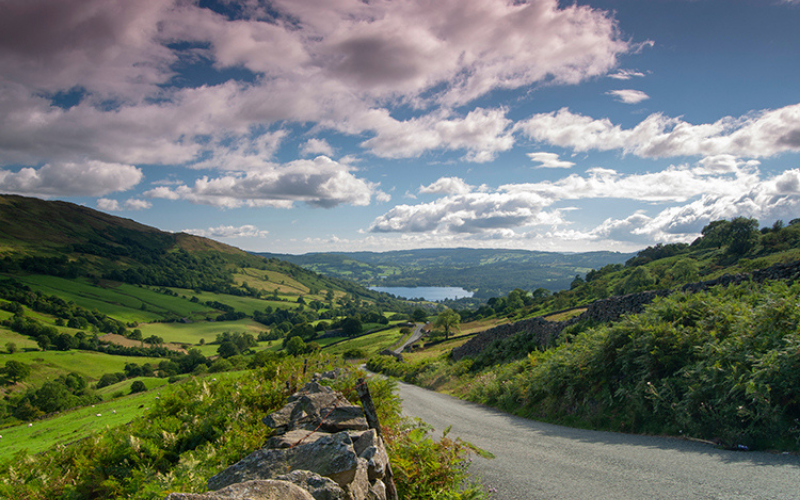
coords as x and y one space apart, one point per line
374 423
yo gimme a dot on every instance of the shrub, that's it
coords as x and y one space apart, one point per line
138 386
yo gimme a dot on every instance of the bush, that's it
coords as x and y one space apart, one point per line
138 386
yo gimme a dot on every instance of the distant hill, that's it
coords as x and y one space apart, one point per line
488 272
63 239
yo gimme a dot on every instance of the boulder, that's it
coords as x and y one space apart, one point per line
321 488
369 446
250 490
358 487
317 407
377 490
294 438
330 456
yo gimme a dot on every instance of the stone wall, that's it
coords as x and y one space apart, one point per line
324 450
613 308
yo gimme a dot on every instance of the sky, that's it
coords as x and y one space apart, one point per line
297 126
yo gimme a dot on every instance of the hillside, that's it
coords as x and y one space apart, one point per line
89 301
487 272
696 341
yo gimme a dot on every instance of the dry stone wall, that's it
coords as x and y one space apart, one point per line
613 308
324 450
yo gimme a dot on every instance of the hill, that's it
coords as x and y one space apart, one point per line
89 300
697 341
487 272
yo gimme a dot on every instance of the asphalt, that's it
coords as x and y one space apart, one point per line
536 461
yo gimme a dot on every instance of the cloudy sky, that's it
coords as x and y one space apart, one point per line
320 125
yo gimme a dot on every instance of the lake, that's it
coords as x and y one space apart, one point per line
432 293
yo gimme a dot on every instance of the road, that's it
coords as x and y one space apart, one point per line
537 461
415 335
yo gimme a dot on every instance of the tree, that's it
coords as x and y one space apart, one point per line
16 370
295 346
11 347
352 326
138 386
227 349
743 235
447 320
43 341
419 315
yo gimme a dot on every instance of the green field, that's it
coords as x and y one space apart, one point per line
125 386
191 333
79 423
372 343
124 302
91 365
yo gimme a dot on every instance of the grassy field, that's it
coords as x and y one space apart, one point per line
21 341
91 365
125 386
107 301
372 343
79 423
191 333
269 281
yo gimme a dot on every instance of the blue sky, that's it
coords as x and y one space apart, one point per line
322 125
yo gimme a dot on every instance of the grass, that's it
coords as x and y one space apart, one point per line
565 315
372 343
269 281
125 386
118 300
72 425
191 333
91 365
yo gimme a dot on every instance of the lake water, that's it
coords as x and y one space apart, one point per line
432 293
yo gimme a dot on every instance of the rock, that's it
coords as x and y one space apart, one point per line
358 487
317 407
250 490
330 456
377 490
369 446
343 418
297 437
281 419
321 488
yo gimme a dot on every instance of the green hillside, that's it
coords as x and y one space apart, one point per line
487 272
705 360
90 301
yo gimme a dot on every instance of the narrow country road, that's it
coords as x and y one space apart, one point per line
536 461
415 335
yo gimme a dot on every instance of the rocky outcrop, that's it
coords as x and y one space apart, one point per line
250 490
612 309
324 449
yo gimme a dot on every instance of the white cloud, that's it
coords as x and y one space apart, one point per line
312 61
317 147
762 134
135 204
321 182
110 205
90 178
467 213
245 231
482 132
629 96
549 160
447 185
626 74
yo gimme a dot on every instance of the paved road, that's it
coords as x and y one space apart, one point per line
537 461
415 335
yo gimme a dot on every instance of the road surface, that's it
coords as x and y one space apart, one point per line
540 461
415 335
